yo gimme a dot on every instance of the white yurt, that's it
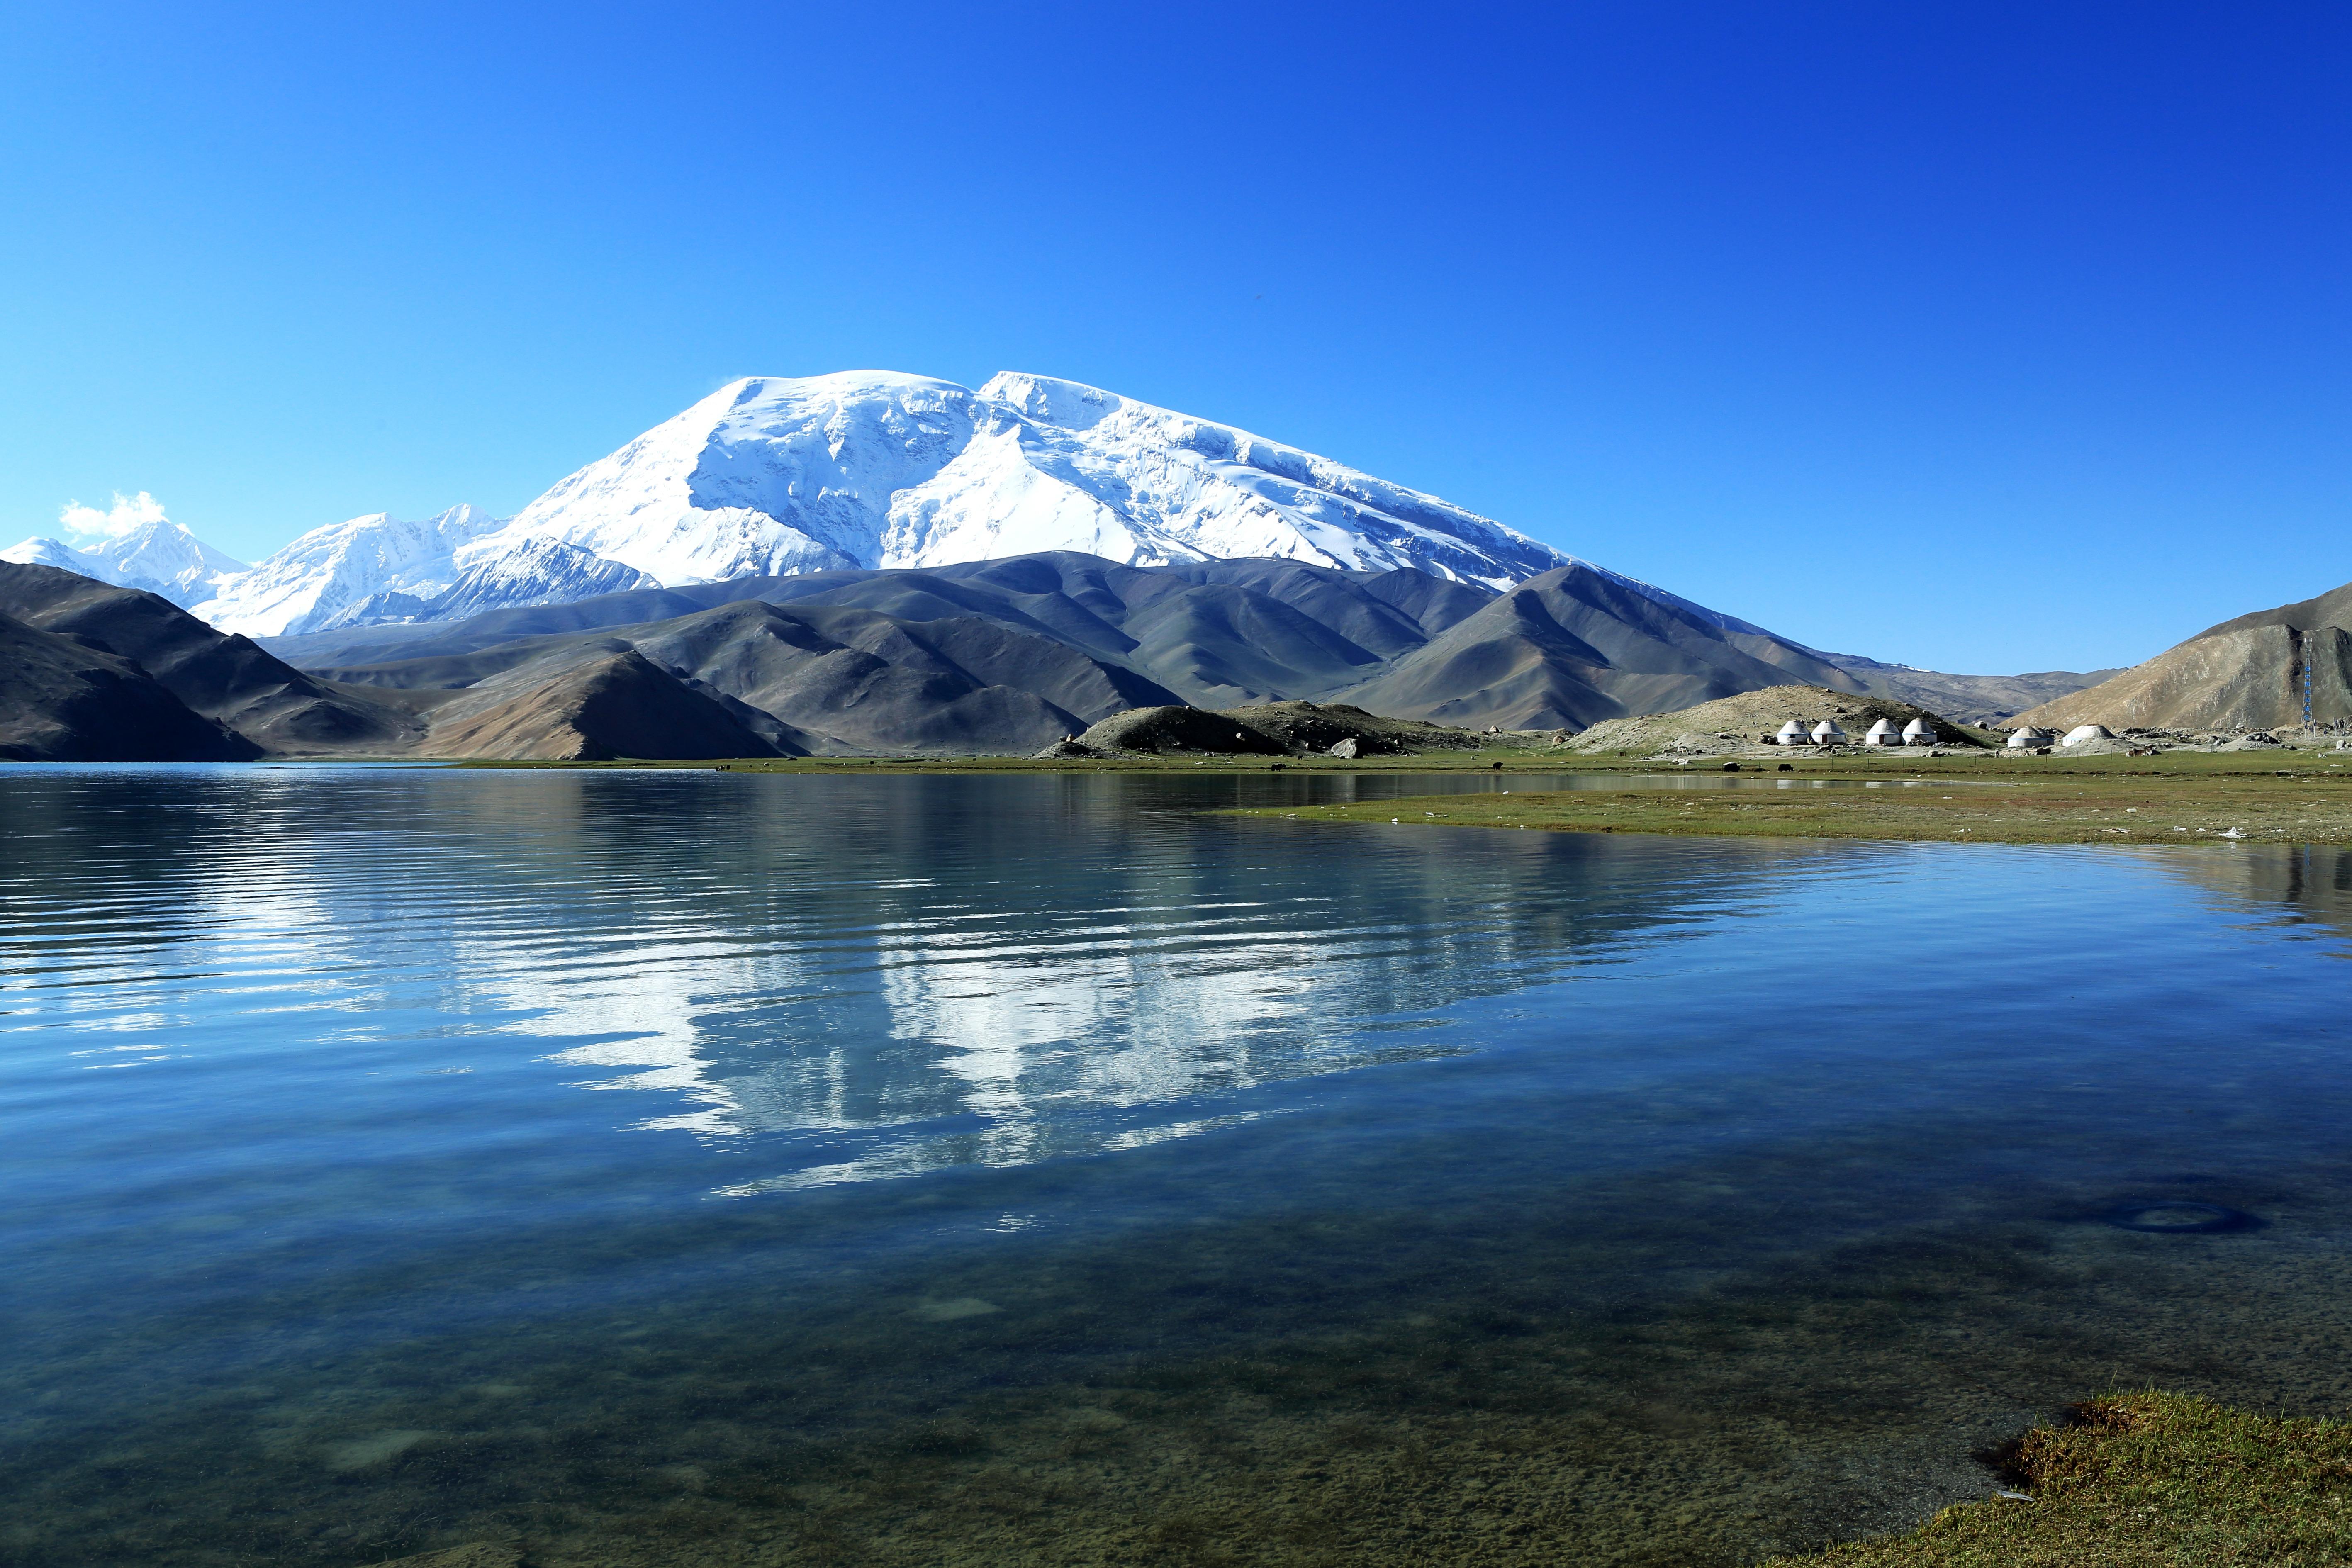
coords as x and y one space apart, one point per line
1918 732
1882 733
2027 738
2082 733
1792 734
1827 733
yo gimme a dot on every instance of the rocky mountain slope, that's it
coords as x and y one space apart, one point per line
63 700
1970 699
1214 632
1569 648
2244 674
1577 646
213 697
811 679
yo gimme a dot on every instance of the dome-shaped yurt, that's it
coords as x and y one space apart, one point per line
1918 732
1792 734
1882 733
2027 738
2082 733
1827 733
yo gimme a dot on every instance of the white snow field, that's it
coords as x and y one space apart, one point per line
874 469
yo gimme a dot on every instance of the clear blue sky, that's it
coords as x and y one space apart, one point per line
1981 336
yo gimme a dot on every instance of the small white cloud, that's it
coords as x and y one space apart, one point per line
127 513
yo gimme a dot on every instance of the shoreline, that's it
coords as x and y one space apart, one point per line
2285 796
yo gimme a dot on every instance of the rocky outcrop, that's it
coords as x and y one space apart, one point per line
1180 728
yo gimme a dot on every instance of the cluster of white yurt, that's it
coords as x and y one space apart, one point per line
1918 732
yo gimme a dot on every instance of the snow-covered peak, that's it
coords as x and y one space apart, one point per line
876 468
311 583
879 469
42 550
155 554
1066 404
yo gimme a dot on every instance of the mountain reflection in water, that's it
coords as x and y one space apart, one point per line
405 1157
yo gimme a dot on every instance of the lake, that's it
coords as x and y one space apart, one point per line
683 1167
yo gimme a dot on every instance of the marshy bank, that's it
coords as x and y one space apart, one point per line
2205 800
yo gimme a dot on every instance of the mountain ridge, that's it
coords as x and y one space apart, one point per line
2249 672
856 470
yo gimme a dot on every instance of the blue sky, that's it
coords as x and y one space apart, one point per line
1984 337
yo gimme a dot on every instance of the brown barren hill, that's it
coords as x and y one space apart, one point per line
1754 714
2245 674
1577 646
617 705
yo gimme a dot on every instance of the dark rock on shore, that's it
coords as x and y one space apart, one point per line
1318 727
1180 728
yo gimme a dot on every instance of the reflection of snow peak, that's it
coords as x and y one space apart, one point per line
1018 1042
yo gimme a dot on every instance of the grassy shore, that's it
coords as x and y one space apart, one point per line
2298 797
2145 1479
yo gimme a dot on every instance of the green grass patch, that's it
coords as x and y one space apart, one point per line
2207 803
2143 1479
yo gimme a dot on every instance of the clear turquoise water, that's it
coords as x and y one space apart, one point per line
728 1168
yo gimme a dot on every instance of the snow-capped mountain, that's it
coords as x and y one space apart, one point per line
874 469
372 568
158 555
863 469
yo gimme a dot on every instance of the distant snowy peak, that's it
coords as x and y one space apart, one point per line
158 555
531 571
328 575
874 469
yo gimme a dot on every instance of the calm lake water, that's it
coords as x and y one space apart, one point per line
691 1168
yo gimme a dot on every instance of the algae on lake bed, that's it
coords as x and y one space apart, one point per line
2147 1479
